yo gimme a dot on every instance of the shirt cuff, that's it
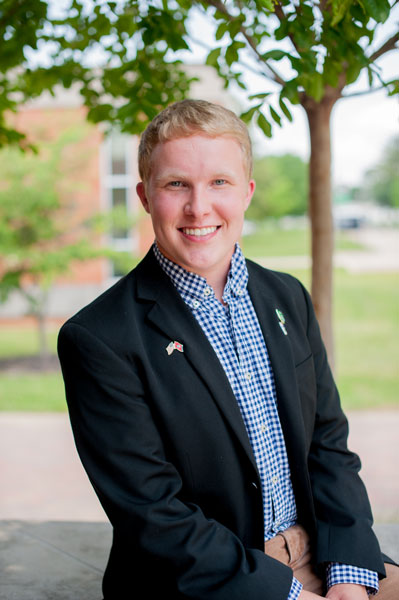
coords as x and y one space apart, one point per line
340 573
296 589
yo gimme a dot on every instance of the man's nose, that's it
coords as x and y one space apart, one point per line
198 203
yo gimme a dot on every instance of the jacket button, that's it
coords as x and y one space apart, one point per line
254 484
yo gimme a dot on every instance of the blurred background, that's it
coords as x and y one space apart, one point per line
71 225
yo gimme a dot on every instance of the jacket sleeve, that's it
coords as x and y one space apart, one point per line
122 452
343 512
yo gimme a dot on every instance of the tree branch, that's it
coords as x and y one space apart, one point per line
278 9
274 76
387 47
364 92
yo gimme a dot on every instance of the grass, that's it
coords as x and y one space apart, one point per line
31 391
23 341
268 240
42 392
367 331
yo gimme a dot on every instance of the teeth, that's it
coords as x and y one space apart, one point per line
199 232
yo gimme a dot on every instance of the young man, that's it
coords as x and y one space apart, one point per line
202 404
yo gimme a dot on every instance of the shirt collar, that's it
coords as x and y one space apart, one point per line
192 285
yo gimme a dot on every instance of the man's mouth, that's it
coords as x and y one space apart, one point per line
198 231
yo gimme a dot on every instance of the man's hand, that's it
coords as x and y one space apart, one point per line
304 595
347 591
341 591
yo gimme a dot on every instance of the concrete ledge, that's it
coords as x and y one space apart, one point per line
58 560
53 560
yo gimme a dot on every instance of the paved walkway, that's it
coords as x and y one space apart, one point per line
54 536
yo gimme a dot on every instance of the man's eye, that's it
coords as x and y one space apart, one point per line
175 183
220 181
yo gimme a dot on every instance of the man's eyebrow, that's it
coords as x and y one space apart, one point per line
175 175
169 176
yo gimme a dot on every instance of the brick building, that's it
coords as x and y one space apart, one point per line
99 173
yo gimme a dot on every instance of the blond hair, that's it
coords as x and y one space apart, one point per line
190 117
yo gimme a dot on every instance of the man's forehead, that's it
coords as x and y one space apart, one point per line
220 153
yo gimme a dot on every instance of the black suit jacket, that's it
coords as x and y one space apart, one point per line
166 449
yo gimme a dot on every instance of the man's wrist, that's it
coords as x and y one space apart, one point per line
296 588
338 573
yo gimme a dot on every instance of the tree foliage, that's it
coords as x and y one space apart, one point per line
281 187
323 45
38 240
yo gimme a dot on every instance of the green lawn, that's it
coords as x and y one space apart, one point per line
34 392
24 341
367 333
268 240
30 391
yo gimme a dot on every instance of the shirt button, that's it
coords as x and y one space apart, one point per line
207 291
248 375
275 479
239 292
196 304
263 427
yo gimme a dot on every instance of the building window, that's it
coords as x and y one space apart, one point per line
119 197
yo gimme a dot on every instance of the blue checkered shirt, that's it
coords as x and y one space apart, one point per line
234 333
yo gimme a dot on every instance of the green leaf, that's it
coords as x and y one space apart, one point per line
376 9
393 87
267 4
221 30
231 54
290 91
264 125
285 110
331 71
234 27
353 72
260 96
282 31
248 114
274 55
339 10
213 56
275 116
314 86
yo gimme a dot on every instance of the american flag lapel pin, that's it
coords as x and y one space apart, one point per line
281 321
174 346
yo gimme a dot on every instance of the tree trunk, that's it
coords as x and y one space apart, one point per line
42 333
320 213
37 298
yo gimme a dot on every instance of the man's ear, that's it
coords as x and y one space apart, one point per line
250 193
140 189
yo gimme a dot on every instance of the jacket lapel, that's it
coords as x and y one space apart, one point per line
170 315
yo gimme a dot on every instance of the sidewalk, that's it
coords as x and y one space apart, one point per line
55 537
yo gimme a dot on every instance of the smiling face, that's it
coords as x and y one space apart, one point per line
197 194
